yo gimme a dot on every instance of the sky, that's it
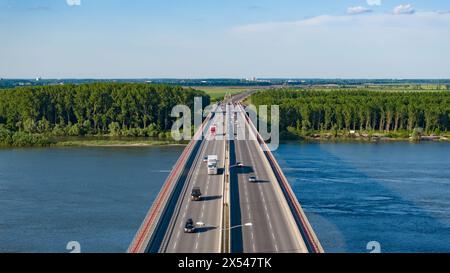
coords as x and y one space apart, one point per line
225 39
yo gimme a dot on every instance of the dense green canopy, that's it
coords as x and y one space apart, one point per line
364 110
100 108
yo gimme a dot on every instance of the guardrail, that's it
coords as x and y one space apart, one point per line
225 225
305 227
143 236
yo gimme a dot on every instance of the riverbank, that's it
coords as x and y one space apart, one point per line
114 143
360 136
91 141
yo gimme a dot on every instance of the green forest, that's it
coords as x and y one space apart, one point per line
305 111
32 115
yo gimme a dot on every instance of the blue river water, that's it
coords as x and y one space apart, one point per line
394 193
95 196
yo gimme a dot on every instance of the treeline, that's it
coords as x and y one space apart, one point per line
90 109
363 110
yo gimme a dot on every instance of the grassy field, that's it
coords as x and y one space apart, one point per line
218 93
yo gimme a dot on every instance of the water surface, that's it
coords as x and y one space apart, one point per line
397 194
96 196
353 193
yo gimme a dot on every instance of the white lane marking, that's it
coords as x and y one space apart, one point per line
263 199
253 241
194 178
246 190
246 198
206 193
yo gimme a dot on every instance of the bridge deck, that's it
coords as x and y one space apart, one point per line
278 223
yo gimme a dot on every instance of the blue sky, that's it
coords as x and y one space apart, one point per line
227 38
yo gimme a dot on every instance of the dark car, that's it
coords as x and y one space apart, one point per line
189 227
196 194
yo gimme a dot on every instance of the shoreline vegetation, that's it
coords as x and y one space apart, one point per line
362 114
363 137
114 142
136 115
42 115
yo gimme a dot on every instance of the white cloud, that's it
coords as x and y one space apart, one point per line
404 9
374 2
418 19
358 10
375 45
73 2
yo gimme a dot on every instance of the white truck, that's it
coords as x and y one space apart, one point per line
212 164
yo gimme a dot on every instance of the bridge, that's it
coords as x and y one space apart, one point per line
247 207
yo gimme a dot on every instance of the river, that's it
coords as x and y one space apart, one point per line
396 194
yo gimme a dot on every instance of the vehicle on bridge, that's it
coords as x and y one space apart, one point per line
196 194
213 130
212 164
189 227
252 179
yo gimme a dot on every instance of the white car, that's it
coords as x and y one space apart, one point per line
252 179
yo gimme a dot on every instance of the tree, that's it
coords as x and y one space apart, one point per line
319 109
114 129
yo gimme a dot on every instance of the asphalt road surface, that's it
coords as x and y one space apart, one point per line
273 226
207 237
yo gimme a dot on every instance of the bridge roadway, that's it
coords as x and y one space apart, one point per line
261 203
265 216
208 210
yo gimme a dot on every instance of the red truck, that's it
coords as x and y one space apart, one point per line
213 130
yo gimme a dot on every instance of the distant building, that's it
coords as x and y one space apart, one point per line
38 79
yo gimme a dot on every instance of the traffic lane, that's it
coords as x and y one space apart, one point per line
244 202
180 241
206 239
205 235
210 234
282 229
258 237
283 232
192 242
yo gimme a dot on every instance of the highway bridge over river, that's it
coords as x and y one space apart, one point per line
248 206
